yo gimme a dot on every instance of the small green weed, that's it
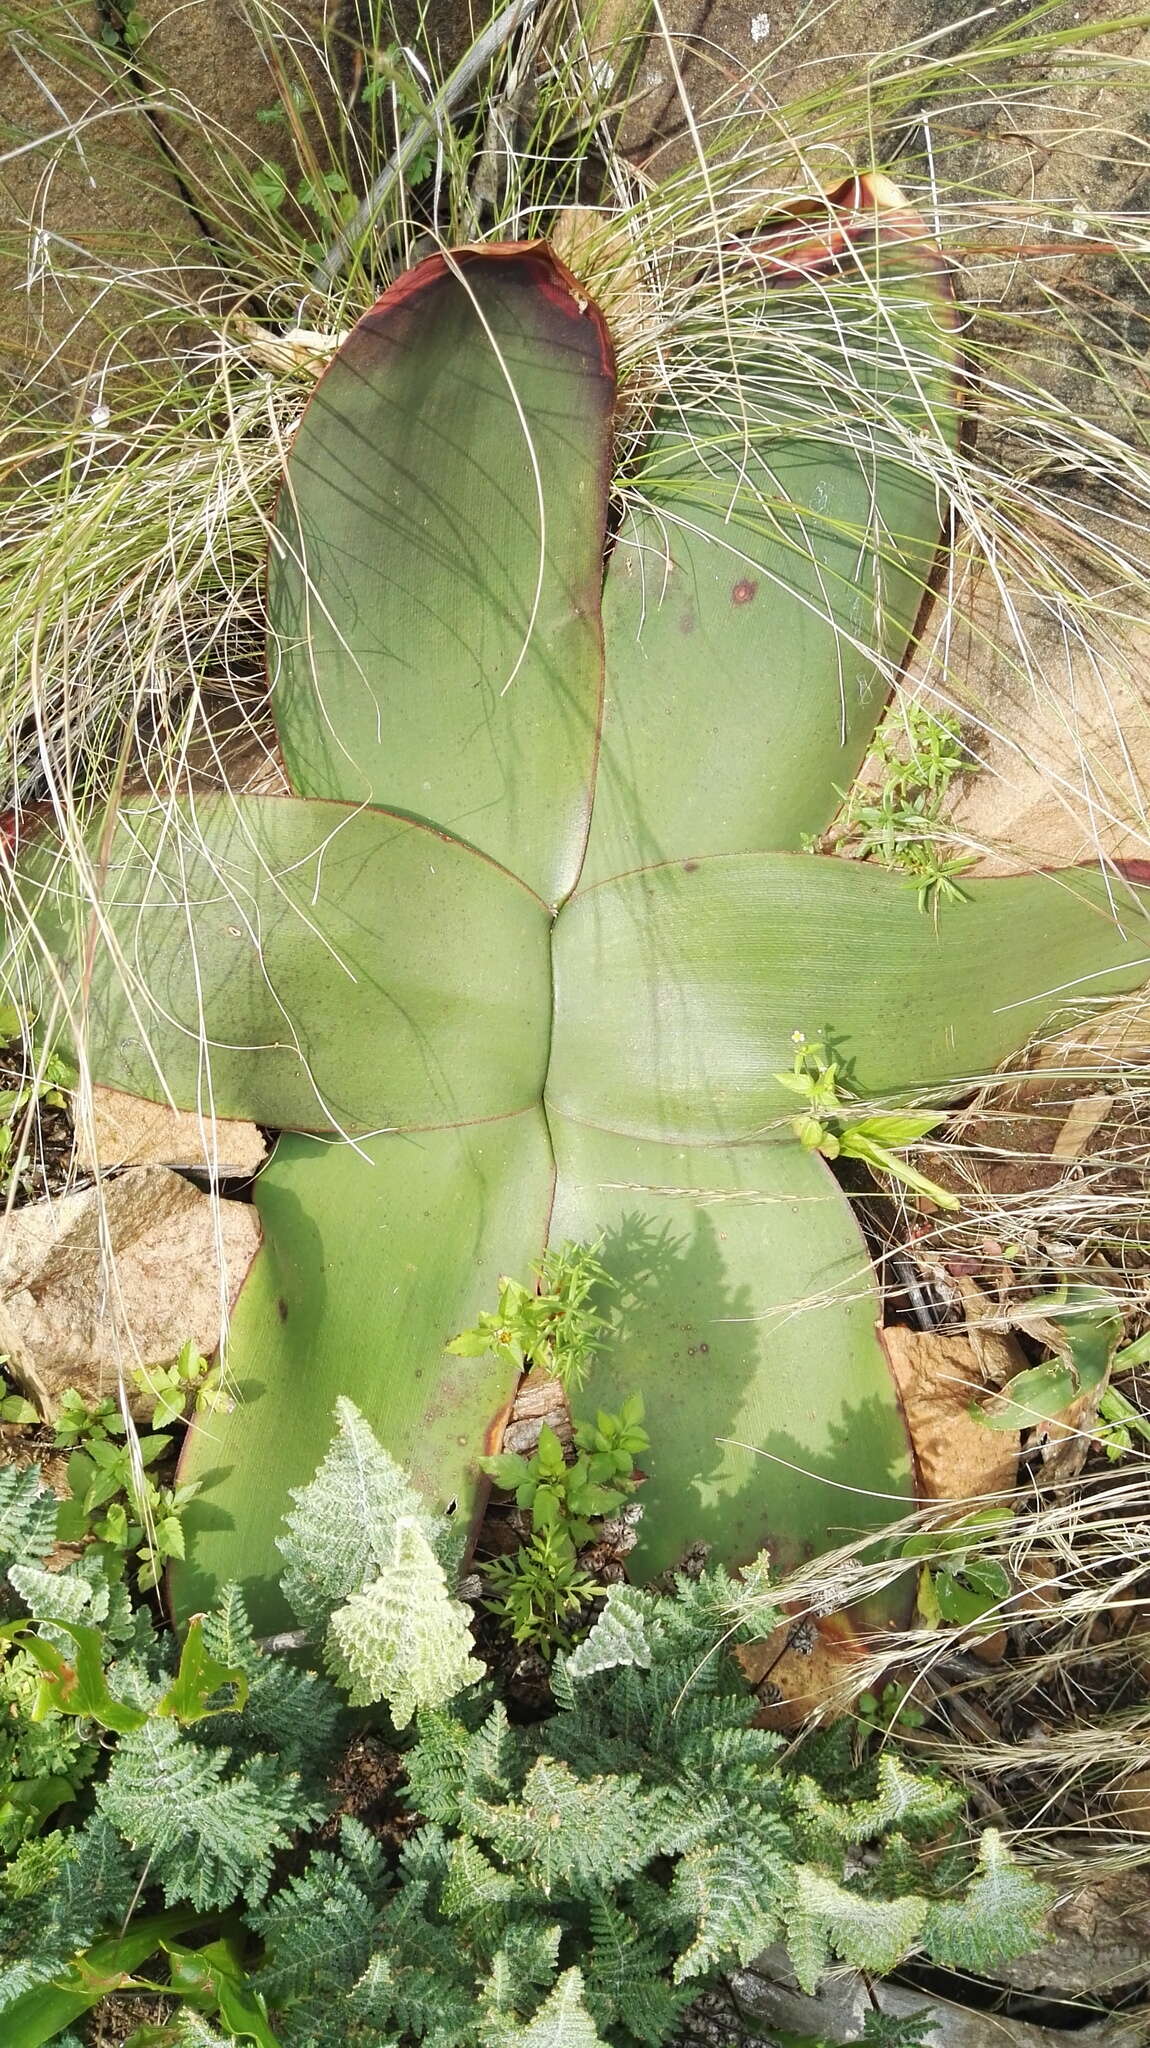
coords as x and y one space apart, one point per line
891 1709
962 1585
47 1084
553 1326
569 1497
390 82
189 1378
920 754
1119 1422
124 28
113 1498
827 1126
13 1406
537 1590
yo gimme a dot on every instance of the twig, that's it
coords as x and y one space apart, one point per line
482 51
278 1646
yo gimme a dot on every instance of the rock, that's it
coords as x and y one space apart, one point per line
123 1130
1131 1802
538 1401
83 215
123 1274
764 1996
1098 1942
1060 723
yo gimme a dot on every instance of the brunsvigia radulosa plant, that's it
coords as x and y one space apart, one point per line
524 955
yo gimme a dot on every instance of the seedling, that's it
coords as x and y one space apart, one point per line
539 1588
827 1126
189 1379
889 1710
112 1498
553 1326
963 1584
47 1085
538 1591
1119 1422
13 1406
920 754
569 1497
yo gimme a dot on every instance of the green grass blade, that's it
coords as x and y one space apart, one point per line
37 2016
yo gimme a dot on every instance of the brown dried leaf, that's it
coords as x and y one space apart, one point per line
804 1668
938 1376
1084 1118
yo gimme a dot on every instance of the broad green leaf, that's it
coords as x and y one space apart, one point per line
307 965
773 568
199 1677
965 1594
1082 1325
679 987
75 1684
373 1258
39 2015
436 572
212 1980
747 1322
1034 1396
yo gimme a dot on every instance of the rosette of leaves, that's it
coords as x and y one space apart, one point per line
521 959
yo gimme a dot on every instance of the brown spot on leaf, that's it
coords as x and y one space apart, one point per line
282 1309
687 621
690 867
744 591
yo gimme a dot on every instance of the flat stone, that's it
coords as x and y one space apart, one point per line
765 1996
225 85
122 1274
123 1130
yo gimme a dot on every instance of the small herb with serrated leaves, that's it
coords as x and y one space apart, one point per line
555 1326
539 1591
189 1377
570 1496
113 1500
